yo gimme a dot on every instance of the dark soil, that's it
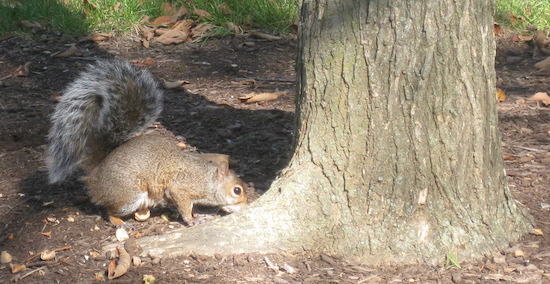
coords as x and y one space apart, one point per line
207 115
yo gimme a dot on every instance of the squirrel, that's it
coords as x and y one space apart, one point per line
94 128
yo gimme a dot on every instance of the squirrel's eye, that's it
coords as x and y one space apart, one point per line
237 190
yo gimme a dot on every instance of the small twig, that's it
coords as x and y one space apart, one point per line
268 79
31 272
531 149
38 254
6 37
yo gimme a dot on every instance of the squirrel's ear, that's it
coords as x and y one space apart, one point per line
223 169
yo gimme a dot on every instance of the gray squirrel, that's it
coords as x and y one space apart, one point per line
94 128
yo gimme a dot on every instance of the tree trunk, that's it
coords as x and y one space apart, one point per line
397 155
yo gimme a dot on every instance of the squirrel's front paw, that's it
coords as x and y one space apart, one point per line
200 219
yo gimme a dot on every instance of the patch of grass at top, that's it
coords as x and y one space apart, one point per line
52 14
522 13
122 16
270 15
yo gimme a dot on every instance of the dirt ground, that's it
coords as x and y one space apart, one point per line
207 115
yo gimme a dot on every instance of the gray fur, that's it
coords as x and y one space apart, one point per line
105 106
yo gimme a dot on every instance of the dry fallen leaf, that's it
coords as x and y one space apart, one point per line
232 26
146 33
172 36
224 8
167 9
101 36
145 43
544 64
22 71
47 234
201 30
542 97
66 53
96 37
501 96
164 20
265 36
536 232
261 97
117 6
202 13
496 29
117 269
143 62
16 268
521 38
32 25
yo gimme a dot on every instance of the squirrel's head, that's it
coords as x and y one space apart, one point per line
234 189
235 195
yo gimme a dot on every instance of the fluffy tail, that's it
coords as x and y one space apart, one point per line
104 107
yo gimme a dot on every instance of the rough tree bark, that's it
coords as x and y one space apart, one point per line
397 155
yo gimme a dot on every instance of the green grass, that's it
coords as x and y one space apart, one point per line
274 16
123 16
520 14
53 14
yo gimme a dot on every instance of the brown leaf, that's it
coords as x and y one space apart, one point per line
66 53
32 25
96 37
22 71
536 232
543 65
496 29
261 97
47 234
224 8
117 6
232 26
172 36
202 13
501 96
88 5
145 43
181 12
167 9
146 33
542 97
522 38
143 62
121 267
201 30
265 36
16 268
164 20
184 25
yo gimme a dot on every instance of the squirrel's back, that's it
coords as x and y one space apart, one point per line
105 106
